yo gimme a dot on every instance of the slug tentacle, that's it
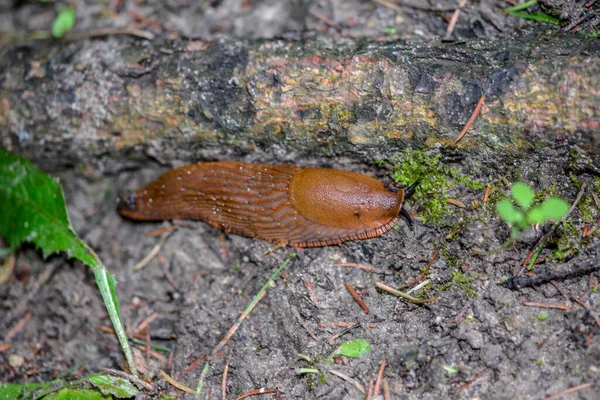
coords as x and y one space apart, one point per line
300 207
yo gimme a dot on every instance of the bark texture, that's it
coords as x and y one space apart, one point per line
123 98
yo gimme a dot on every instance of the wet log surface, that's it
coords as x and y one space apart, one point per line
104 101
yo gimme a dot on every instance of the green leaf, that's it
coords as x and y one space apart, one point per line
33 210
523 195
450 369
537 16
118 387
536 215
508 212
555 208
64 22
520 7
352 348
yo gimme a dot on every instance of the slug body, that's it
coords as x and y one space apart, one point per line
299 207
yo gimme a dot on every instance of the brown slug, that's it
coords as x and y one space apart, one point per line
286 204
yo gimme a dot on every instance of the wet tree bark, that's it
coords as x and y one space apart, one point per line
123 98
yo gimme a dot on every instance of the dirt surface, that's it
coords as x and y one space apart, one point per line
478 340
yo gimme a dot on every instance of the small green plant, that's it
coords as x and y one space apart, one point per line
64 22
352 348
520 219
463 282
542 315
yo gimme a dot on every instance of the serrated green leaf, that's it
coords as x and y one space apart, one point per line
554 208
508 212
522 194
536 215
118 387
64 22
33 210
353 348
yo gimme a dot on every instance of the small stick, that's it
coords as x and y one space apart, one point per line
256 392
272 249
592 312
160 231
337 324
147 346
7 268
195 363
454 20
145 323
543 238
176 384
224 384
565 271
369 390
18 326
562 292
356 297
469 383
419 286
131 378
456 203
235 326
311 293
476 112
250 307
486 195
386 390
303 324
153 252
379 378
546 305
404 295
111 32
170 360
224 254
431 260
364 267
345 377
570 390
389 4
167 273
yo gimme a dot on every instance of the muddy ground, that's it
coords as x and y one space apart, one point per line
477 340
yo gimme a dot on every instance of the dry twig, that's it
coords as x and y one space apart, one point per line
476 112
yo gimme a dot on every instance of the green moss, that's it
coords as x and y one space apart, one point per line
463 282
422 294
460 281
436 180
587 209
569 243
